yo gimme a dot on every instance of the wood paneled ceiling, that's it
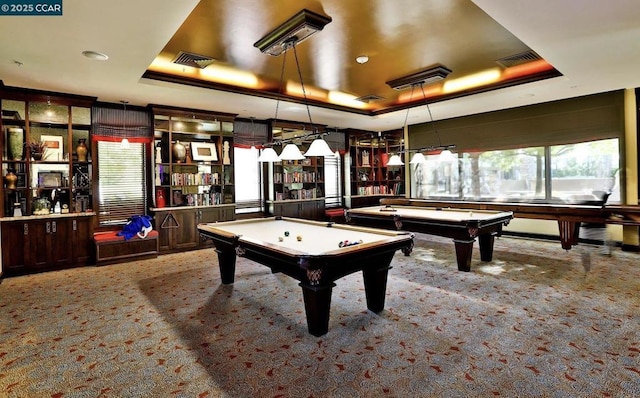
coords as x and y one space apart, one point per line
398 37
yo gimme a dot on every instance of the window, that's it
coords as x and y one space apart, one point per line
122 177
247 178
560 173
332 182
581 171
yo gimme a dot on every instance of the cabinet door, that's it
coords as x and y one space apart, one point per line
186 236
209 215
14 243
83 248
228 213
60 238
164 224
39 245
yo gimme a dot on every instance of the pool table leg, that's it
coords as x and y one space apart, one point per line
464 248
486 246
227 264
375 287
317 304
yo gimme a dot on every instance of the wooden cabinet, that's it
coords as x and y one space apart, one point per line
177 227
311 209
193 158
44 143
298 188
35 245
369 173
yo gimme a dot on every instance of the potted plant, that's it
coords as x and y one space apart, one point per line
36 149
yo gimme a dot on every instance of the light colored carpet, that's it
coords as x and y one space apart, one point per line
532 323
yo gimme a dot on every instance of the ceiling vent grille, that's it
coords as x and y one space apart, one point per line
193 60
369 98
518 59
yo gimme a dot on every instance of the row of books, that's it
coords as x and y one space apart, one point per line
300 194
395 189
296 176
195 179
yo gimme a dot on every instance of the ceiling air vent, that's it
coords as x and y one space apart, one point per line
518 59
369 98
193 60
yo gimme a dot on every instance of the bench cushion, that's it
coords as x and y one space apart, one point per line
111 236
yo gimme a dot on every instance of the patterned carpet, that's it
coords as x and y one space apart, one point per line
532 323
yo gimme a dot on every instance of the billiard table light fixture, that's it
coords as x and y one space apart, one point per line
427 76
298 28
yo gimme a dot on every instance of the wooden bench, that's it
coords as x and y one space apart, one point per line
111 248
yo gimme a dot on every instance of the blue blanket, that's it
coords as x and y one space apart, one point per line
135 225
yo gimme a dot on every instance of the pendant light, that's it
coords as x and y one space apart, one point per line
319 147
291 152
268 155
418 158
395 160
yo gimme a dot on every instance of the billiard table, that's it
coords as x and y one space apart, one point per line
462 225
314 253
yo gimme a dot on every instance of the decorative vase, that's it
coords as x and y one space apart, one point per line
36 155
179 152
160 200
82 150
10 179
15 143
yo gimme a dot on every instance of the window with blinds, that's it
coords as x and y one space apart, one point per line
332 185
122 182
247 178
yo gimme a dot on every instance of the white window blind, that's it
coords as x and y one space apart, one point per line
122 182
247 178
332 186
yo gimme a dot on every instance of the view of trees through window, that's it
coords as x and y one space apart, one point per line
574 173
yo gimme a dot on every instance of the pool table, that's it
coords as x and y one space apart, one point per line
314 253
463 225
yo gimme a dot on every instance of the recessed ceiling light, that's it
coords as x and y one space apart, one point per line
362 59
95 55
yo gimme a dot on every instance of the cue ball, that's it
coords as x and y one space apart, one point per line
286 233
299 237
470 214
280 238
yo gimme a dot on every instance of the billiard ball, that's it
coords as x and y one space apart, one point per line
299 237
280 238
286 233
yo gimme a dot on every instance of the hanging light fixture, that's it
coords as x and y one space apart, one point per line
124 144
279 41
291 152
445 155
268 155
418 158
319 147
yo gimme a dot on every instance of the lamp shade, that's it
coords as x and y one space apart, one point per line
446 156
268 155
418 158
319 147
394 161
291 152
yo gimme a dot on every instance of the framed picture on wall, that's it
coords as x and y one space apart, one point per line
49 179
54 149
205 151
